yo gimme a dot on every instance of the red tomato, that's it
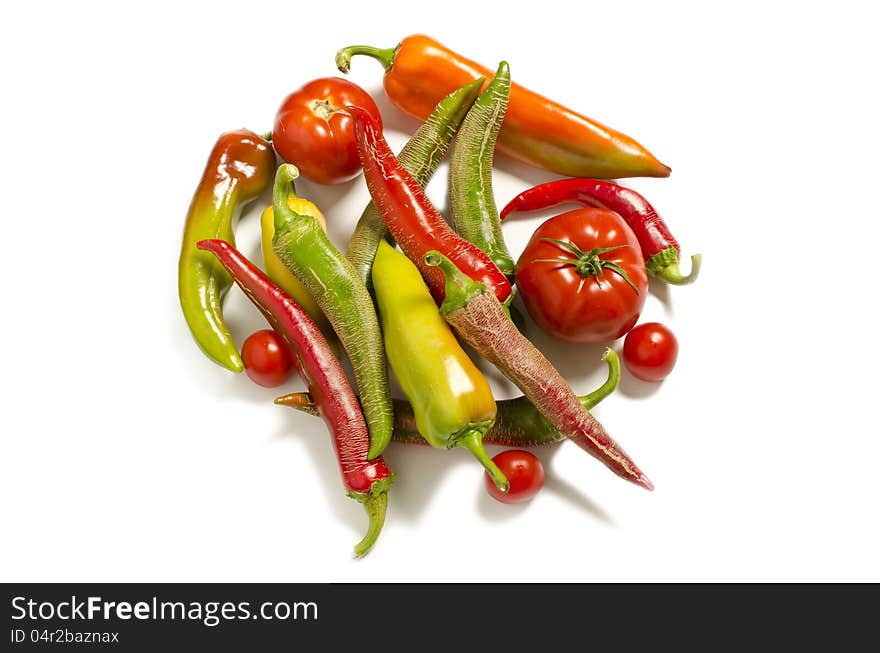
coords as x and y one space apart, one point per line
313 132
591 285
650 351
524 472
265 358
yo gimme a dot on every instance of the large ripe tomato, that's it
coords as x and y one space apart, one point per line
313 132
582 276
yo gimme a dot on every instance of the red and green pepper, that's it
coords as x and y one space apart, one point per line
239 168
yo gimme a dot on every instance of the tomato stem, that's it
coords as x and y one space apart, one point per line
588 264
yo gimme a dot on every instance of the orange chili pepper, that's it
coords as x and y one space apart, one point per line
420 72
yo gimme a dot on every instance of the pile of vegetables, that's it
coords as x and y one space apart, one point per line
414 285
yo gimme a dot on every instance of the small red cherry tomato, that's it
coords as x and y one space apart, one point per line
313 132
650 351
582 276
265 358
524 472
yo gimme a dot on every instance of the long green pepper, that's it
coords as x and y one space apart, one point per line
304 248
420 156
471 200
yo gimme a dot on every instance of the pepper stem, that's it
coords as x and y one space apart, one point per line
472 440
299 400
384 56
460 288
376 503
613 360
670 272
281 192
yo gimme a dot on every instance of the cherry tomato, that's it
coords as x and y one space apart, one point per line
265 358
313 132
650 351
582 276
524 472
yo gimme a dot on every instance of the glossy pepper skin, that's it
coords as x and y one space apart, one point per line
451 400
239 168
303 246
420 157
538 131
411 218
480 321
660 249
517 422
278 272
366 481
471 199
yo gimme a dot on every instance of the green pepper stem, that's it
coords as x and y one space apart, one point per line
384 56
460 288
472 440
376 504
281 192
672 274
613 360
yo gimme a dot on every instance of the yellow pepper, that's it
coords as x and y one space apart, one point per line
278 272
452 401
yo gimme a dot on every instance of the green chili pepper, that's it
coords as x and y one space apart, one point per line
517 423
303 246
471 201
420 156
452 401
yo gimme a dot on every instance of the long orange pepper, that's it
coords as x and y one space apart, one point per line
420 72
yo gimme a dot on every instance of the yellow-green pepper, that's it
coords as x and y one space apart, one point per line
452 401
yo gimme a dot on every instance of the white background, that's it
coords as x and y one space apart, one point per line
127 455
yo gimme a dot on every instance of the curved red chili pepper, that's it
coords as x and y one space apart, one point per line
411 218
365 480
660 250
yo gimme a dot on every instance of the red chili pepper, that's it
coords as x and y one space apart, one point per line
411 218
660 250
365 480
